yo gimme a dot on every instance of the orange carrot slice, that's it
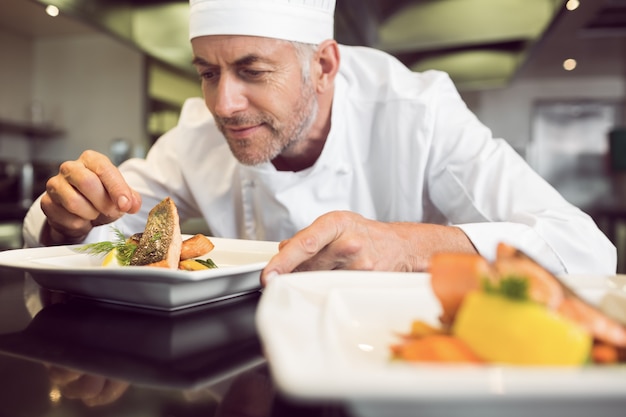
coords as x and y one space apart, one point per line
420 328
602 353
452 276
435 348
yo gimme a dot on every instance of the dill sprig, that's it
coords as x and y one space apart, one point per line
125 248
512 287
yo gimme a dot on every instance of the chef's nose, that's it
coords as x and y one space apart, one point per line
229 96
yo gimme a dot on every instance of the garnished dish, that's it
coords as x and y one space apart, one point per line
511 311
327 334
159 245
178 271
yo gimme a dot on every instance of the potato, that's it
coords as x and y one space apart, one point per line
191 265
502 330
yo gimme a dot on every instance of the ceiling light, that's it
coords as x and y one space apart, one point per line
52 10
569 64
572 4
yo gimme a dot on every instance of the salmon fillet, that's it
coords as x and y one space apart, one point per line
161 241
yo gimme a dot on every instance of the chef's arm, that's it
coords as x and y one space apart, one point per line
346 240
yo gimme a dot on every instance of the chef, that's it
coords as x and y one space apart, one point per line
342 153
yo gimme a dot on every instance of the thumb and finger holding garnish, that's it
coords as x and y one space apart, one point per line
87 192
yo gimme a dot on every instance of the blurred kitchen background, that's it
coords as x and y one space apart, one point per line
549 76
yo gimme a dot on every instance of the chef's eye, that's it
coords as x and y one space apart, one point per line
207 75
252 74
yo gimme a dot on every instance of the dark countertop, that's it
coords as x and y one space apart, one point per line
71 357
76 357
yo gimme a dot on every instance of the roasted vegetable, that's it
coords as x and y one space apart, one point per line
518 331
514 311
196 264
435 348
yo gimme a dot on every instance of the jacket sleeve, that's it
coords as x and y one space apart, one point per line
488 190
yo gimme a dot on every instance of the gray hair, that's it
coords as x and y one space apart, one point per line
304 52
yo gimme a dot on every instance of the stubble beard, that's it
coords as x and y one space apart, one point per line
281 136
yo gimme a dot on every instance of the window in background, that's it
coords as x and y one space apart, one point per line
569 145
571 148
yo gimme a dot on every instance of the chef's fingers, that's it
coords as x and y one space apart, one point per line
303 247
251 394
85 193
62 376
86 386
64 194
94 390
117 192
62 225
111 392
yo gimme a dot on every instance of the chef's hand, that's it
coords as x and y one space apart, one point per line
92 390
251 394
346 240
85 193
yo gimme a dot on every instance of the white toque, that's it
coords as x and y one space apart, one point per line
306 21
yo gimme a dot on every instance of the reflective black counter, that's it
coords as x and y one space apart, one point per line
64 356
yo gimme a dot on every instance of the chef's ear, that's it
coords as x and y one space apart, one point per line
327 64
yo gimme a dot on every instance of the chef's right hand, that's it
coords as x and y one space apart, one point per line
92 390
85 193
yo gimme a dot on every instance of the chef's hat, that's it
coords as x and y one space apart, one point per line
306 21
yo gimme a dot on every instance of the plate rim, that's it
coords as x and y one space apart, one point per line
24 263
336 384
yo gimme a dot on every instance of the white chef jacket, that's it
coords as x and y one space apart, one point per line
402 146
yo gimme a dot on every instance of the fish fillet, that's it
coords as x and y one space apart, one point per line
161 241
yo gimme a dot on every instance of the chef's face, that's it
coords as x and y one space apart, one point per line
261 99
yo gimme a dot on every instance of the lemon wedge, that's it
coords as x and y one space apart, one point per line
110 260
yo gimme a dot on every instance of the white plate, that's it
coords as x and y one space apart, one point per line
327 335
62 268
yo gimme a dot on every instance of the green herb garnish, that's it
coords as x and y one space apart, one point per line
207 262
125 249
511 287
